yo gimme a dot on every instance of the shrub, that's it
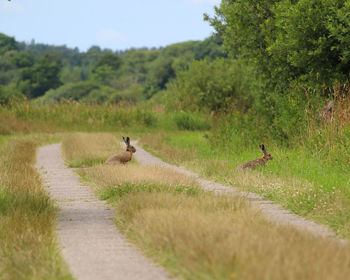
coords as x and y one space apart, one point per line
188 121
217 86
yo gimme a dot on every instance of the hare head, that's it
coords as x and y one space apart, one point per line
266 155
129 148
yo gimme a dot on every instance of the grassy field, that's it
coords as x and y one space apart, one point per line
197 235
297 179
28 248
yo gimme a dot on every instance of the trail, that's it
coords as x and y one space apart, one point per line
269 210
91 244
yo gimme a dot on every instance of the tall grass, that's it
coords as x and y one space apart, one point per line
309 173
197 235
25 117
86 149
28 248
72 116
297 178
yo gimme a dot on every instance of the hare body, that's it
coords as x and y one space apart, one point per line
123 157
257 162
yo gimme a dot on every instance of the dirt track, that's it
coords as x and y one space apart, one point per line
91 244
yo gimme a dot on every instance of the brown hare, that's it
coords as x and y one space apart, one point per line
125 156
257 162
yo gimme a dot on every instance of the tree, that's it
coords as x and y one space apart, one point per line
7 44
106 66
301 41
23 59
42 76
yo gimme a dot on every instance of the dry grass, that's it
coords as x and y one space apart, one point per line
86 149
201 236
109 176
28 249
207 237
198 235
161 149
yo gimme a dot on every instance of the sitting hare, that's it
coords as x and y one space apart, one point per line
257 162
125 156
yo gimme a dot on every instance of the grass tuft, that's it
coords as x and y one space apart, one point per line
28 248
88 149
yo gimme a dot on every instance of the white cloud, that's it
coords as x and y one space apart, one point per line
110 35
12 7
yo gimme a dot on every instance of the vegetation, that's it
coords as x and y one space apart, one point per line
197 235
305 184
265 77
57 73
28 248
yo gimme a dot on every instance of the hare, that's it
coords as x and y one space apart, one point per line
257 162
125 156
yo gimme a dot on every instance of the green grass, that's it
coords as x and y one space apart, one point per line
297 178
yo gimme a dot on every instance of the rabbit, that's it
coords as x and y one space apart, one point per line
125 156
257 162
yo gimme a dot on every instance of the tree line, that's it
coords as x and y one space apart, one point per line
50 73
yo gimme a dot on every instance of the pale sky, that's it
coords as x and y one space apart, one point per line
117 25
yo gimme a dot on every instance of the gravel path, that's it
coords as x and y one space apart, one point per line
269 210
91 244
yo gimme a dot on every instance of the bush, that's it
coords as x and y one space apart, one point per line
146 118
86 91
218 86
188 121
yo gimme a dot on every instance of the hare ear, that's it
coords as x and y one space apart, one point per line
262 147
127 141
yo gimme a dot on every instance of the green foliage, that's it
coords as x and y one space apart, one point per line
190 121
287 41
146 118
218 86
132 95
306 41
126 76
8 71
42 76
110 59
7 44
71 91
23 59
10 93
106 67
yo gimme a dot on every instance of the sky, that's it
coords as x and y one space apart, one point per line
116 25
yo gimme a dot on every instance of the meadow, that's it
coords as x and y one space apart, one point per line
266 76
195 235
296 178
